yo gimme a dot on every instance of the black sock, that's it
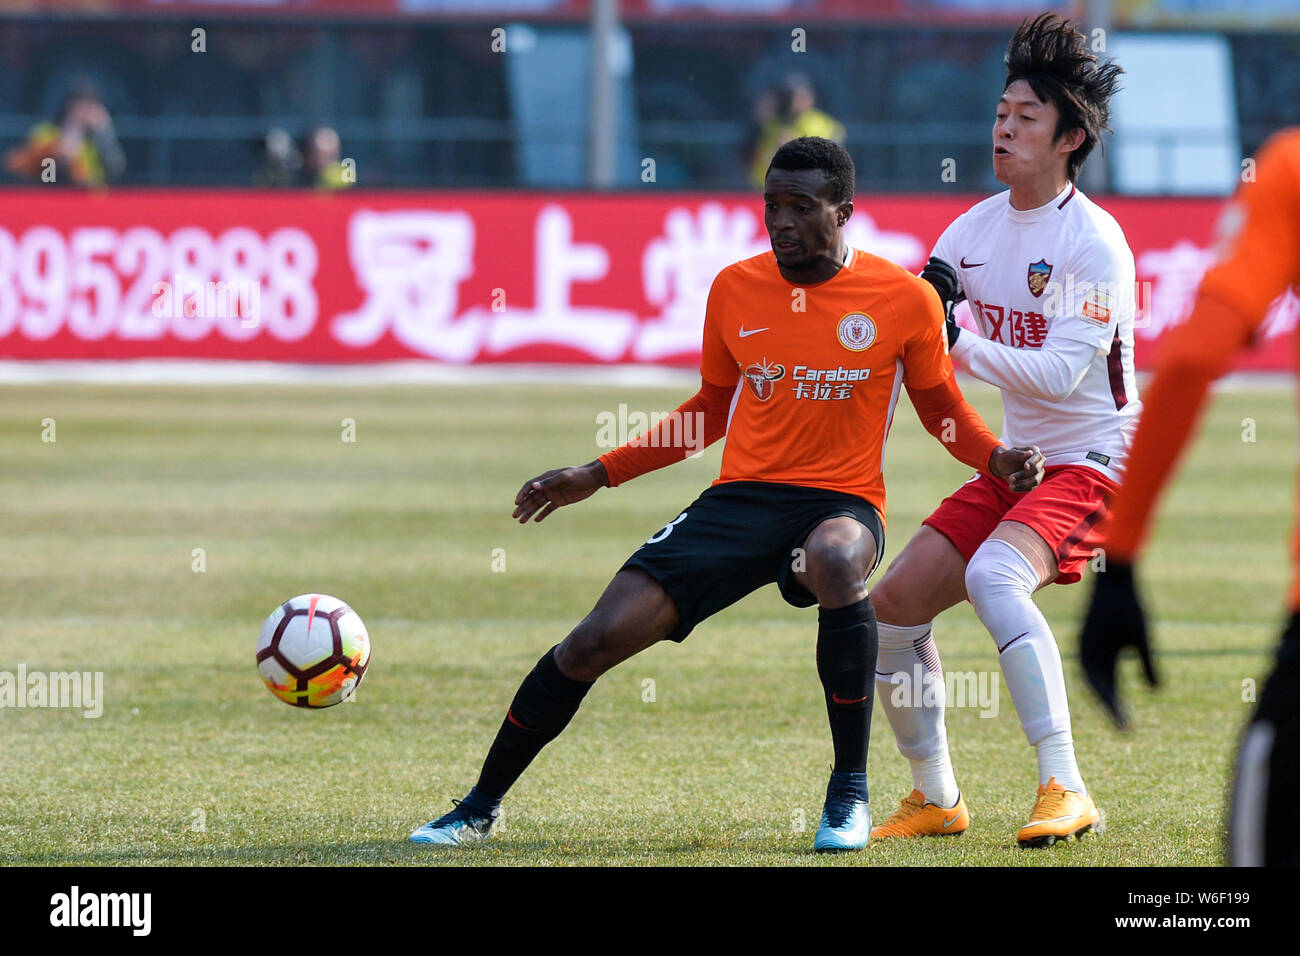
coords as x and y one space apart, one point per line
543 706
846 663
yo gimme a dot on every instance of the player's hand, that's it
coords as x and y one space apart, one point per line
1021 467
943 277
1115 621
557 488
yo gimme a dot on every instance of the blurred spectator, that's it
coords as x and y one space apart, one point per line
764 111
281 161
81 141
321 166
792 114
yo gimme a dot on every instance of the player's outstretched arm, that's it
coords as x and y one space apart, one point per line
689 429
558 487
693 426
1256 263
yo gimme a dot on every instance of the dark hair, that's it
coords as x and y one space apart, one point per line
814 152
1052 56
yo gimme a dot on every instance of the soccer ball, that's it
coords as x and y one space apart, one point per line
313 651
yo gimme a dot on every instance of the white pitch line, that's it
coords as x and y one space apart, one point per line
191 372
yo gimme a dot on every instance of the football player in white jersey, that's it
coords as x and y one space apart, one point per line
1050 283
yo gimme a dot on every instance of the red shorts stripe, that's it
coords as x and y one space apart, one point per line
1064 510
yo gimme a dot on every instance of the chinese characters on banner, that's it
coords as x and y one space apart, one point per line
464 278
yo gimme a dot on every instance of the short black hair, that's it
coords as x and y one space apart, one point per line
1052 56
814 152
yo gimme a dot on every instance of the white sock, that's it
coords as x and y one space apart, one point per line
910 688
1056 759
1000 582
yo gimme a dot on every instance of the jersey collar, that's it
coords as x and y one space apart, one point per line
1040 212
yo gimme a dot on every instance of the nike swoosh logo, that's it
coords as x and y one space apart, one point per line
745 335
948 823
510 716
1012 641
837 699
1068 816
970 265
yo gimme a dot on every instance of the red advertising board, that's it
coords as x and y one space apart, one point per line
921 11
459 277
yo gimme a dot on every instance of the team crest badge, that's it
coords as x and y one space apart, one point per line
857 331
760 376
1039 273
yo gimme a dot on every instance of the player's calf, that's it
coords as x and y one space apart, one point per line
633 613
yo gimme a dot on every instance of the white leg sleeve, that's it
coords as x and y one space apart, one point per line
1000 582
910 688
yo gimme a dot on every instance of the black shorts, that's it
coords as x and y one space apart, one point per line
739 536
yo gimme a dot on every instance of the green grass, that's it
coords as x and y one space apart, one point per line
723 768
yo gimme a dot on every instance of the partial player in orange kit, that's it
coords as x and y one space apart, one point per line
1259 259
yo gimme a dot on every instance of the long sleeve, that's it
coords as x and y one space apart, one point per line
695 424
946 415
1173 403
1051 373
1259 258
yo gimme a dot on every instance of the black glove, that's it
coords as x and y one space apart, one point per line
1115 621
943 277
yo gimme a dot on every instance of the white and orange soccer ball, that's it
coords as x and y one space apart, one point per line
313 651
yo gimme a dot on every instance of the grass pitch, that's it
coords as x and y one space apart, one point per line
721 760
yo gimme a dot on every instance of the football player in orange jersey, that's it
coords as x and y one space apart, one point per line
1258 259
804 353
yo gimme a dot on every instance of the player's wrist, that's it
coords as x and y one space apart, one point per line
995 457
596 469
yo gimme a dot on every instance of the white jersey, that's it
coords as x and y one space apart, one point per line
1062 273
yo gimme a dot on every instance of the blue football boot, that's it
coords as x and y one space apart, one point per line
846 817
460 827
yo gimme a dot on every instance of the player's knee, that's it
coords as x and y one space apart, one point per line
989 572
835 572
588 651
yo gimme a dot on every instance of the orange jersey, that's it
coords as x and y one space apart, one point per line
819 369
1258 260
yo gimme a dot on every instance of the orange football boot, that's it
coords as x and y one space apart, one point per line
1058 815
916 817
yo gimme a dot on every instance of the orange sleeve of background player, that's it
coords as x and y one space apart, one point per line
1259 258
